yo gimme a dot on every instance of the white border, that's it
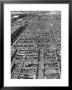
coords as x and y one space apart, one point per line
64 8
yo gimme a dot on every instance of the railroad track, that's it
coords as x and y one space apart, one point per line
17 33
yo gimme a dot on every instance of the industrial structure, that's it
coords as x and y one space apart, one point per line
35 45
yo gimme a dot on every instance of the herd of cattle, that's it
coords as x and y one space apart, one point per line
36 51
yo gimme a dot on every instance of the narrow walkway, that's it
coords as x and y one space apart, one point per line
41 66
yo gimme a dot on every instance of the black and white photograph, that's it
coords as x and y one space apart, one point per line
35 44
